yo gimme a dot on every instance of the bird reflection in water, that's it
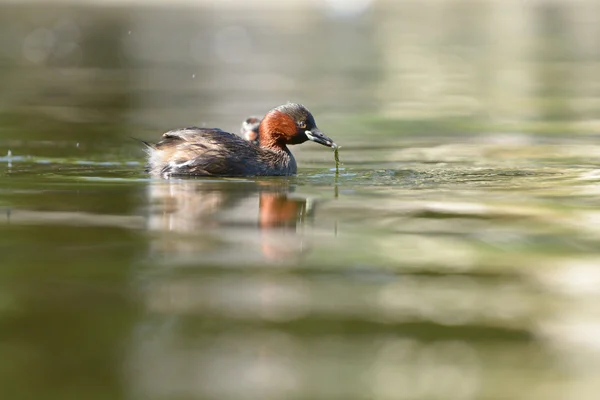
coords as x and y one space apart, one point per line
227 221
216 229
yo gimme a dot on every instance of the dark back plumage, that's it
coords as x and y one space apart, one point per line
214 152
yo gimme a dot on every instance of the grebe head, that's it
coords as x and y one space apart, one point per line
290 124
249 129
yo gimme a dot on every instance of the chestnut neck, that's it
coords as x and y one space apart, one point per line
276 130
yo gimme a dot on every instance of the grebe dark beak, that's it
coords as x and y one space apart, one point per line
317 136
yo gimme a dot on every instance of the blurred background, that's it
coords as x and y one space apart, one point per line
454 255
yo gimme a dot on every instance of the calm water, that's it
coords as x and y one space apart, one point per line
455 254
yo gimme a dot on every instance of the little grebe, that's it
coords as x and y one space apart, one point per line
213 152
249 129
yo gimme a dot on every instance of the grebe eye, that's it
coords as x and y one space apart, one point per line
302 125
